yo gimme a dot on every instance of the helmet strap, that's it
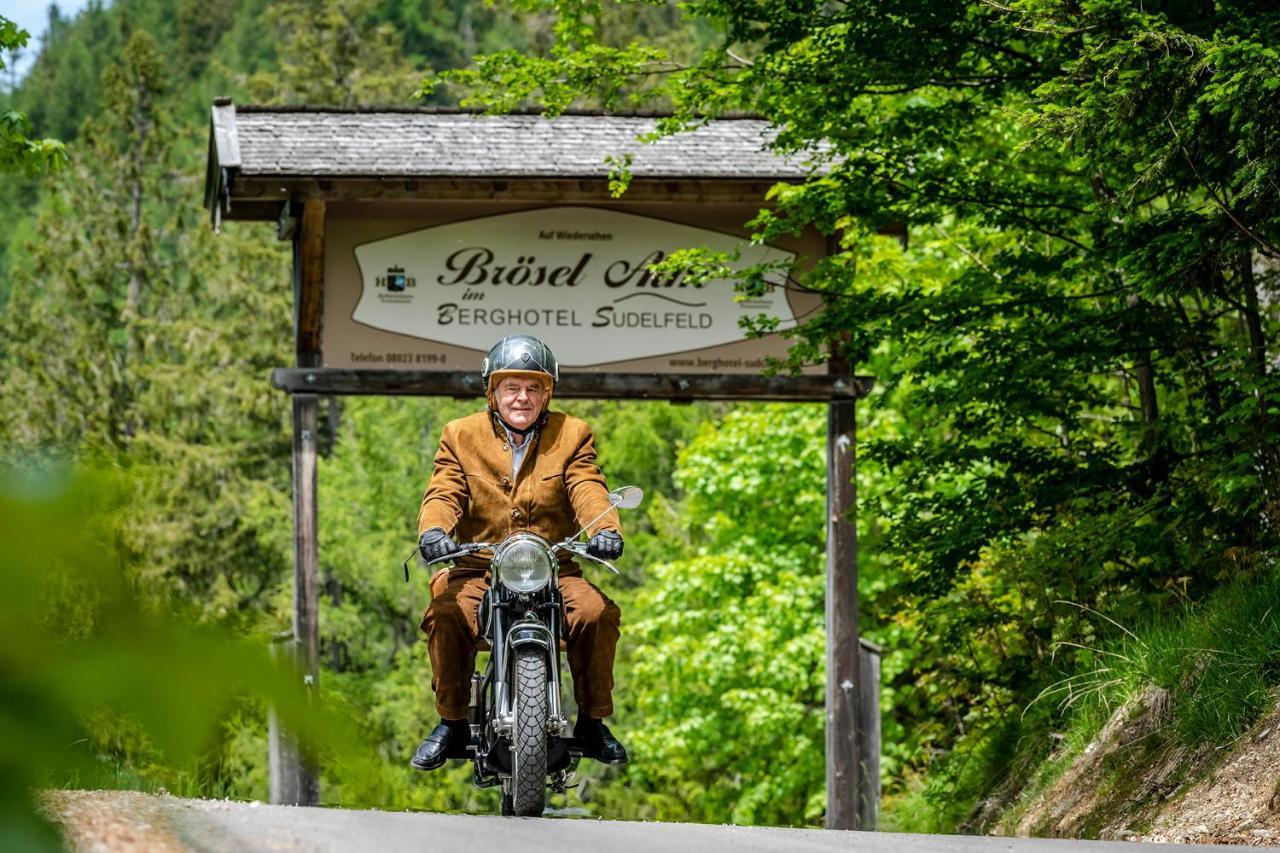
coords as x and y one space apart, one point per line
521 432
515 430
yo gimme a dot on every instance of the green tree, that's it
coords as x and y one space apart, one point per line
333 53
136 336
728 661
1076 347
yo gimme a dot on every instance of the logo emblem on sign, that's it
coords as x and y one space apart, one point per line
395 281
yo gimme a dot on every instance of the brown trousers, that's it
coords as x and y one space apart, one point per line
452 632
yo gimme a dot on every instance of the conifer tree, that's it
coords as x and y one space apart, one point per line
333 53
136 336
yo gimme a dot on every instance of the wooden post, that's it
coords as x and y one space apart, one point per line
306 622
285 778
308 277
294 779
869 735
844 777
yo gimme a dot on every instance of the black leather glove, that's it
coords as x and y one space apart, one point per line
435 543
606 545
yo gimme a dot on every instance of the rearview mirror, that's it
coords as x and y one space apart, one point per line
626 497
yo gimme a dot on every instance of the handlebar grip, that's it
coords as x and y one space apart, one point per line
464 551
461 552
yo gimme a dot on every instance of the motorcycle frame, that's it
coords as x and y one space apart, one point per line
494 715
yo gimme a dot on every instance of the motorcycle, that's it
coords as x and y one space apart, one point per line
520 737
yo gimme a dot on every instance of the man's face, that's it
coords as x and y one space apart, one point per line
520 400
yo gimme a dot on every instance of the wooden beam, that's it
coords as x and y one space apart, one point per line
310 296
226 138
844 776
259 197
620 386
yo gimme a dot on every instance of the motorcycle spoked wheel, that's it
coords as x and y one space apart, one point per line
525 795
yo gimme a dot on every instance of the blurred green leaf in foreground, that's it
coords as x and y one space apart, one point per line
18 151
83 654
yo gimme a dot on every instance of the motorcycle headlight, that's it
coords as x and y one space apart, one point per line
523 565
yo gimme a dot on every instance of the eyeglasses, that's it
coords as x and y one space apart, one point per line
530 389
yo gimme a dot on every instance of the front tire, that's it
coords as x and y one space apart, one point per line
529 737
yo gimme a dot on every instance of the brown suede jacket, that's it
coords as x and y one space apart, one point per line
559 487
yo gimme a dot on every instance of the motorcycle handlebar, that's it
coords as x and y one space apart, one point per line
579 548
463 551
573 546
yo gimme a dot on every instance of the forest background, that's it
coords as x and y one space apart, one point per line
1068 471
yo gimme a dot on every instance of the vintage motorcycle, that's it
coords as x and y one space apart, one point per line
520 737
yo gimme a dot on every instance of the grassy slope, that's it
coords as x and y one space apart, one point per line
1146 718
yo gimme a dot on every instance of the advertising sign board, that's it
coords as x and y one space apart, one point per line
436 296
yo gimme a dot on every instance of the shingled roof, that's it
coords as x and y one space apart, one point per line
300 142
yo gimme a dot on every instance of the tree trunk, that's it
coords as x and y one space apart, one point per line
1196 349
1269 455
135 250
467 29
1144 373
1145 376
1252 316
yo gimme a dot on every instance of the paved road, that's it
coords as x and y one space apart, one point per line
223 827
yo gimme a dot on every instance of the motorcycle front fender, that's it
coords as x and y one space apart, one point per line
529 634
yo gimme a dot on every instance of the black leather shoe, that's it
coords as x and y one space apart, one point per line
598 742
447 740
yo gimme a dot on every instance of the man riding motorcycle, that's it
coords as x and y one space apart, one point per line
517 466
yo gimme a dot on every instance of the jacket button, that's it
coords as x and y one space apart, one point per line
515 513
506 481
505 448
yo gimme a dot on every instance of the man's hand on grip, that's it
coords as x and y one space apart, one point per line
435 543
605 545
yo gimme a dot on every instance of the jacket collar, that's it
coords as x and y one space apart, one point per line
501 428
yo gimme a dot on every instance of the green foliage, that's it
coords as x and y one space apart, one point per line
19 152
637 445
370 640
726 682
1080 397
1220 662
602 55
134 333
1191 684
1077 396
97 676
1197 678
333 53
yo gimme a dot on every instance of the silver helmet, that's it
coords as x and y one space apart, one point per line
518 354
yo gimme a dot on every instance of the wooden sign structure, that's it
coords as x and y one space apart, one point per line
420 237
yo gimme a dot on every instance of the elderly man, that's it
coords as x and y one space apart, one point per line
517 466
